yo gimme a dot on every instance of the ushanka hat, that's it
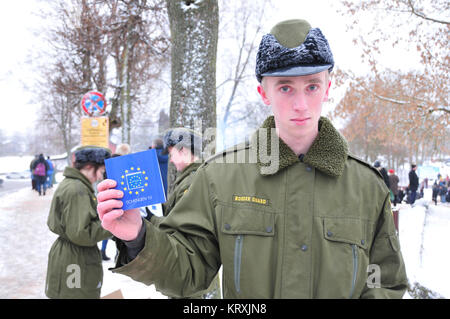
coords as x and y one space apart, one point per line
91 154
293 48
182 137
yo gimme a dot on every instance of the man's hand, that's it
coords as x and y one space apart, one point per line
122 224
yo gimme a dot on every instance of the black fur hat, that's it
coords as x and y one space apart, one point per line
293 48
92 154
183 137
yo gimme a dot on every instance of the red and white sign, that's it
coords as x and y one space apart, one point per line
93 103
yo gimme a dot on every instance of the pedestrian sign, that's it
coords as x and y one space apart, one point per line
93 103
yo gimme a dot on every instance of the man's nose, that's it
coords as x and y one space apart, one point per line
299 103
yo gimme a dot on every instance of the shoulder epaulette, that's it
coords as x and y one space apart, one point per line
235 148
366 164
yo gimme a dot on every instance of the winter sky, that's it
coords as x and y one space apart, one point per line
17 20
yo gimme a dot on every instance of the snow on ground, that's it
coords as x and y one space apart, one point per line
423 231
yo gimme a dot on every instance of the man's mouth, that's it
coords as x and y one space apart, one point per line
300 121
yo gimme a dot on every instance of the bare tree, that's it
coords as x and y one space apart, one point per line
241 26
86 40
139 46
376 126
194 35
421 25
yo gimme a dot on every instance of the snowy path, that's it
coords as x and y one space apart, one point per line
25 241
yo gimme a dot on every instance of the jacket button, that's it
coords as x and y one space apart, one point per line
304 248
269 229
329 234
227 226
363 241
308 168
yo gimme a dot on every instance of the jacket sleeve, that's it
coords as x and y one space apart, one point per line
82 225
181 256
387 275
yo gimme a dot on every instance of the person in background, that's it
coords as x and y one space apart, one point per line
442 189
40 168
74 262
163 160
50 173
413 183
393 186
383 172
435 192
33 180
123 149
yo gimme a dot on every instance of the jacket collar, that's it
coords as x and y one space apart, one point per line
328 153
71 172
187 171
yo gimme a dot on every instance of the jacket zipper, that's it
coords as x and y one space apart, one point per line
237 263
355 268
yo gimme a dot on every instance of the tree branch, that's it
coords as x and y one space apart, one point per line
423 16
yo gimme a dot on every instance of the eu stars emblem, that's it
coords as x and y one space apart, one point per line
134 181
138 177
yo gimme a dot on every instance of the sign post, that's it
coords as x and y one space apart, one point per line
94 128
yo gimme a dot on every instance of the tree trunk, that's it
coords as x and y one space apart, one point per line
194 28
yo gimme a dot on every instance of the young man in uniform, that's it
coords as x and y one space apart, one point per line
311 222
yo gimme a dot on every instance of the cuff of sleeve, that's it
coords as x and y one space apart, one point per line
136 245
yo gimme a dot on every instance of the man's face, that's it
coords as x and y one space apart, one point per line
179 158
296 102
99 175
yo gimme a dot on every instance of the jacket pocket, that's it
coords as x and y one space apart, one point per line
247 244
350 238
245 221
237 262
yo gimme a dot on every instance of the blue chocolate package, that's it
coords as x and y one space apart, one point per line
138 177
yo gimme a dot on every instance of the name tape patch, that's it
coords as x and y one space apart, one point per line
250 199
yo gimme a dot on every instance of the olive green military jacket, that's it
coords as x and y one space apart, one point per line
74 261
316 227
180 187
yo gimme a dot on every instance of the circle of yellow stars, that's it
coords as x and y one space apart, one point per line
123 183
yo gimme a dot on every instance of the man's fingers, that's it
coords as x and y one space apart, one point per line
106 184
109 194
106 207
109 218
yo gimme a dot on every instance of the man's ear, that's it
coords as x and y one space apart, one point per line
263 94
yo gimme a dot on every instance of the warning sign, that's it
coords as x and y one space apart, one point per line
95 131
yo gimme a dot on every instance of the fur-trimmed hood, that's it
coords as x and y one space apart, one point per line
328 153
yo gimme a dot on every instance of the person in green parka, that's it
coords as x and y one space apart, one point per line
74 261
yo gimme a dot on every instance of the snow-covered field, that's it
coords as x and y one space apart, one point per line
25 241
423 231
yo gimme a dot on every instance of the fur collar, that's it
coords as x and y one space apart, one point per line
328 153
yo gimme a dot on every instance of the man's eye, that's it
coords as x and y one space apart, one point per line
313 87
285 89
